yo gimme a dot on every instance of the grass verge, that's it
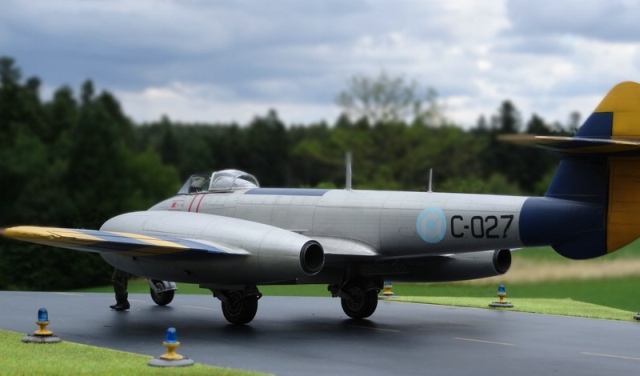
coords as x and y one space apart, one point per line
561 307
66 358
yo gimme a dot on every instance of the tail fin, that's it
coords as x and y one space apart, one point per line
600 167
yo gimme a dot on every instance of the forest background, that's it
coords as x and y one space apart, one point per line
76 159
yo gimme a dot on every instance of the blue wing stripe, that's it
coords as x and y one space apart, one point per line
287 191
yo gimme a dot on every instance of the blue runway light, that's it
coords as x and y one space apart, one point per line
386 291
171 336
42 335
501 303
170 358
43 315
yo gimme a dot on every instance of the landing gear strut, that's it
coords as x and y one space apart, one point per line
359 299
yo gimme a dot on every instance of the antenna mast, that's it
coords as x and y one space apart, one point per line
348 172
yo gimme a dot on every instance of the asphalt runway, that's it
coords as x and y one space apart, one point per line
312 336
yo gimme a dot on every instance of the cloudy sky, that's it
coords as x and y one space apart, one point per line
217 61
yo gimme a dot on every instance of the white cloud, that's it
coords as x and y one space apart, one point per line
209 104
603 20
215 61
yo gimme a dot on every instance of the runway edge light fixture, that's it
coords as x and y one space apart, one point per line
387 292
42 335
171 358
501 303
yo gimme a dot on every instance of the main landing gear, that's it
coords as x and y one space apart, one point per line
359 298
239 306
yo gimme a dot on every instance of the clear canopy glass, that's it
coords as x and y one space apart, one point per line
219 181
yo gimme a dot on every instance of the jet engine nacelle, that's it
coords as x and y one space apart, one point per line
457 267
255 253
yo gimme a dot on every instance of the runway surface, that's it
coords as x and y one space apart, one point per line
312 336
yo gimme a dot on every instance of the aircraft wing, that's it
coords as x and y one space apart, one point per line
120 243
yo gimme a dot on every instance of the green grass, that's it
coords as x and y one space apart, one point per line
140 286
632 250
563 307
66 358
618 293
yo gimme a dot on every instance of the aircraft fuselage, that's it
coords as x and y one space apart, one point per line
391 223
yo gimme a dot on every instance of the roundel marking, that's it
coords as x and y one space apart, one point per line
432 225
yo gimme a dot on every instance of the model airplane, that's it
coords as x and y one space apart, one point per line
228 235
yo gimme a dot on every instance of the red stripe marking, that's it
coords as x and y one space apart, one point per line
192 200
199 202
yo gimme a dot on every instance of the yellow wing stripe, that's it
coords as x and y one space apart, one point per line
157 242
125 244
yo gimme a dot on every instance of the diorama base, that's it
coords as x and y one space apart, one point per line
159 362
30 338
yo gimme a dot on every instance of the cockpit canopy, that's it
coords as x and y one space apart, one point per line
219 181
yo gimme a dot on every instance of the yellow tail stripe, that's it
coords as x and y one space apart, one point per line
623 219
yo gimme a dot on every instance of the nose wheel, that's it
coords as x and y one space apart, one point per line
160 295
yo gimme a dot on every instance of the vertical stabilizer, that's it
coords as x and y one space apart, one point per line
600 167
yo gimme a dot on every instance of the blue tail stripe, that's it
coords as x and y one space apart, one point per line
287 191
581 179
598 125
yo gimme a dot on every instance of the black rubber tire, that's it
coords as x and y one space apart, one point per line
238 309
162 298
362 303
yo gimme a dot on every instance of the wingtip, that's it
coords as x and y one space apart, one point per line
5 232
16 232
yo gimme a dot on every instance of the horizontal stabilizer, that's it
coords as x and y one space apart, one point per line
577 145
121 243
586 146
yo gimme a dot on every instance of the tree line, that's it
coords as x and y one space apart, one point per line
77 159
